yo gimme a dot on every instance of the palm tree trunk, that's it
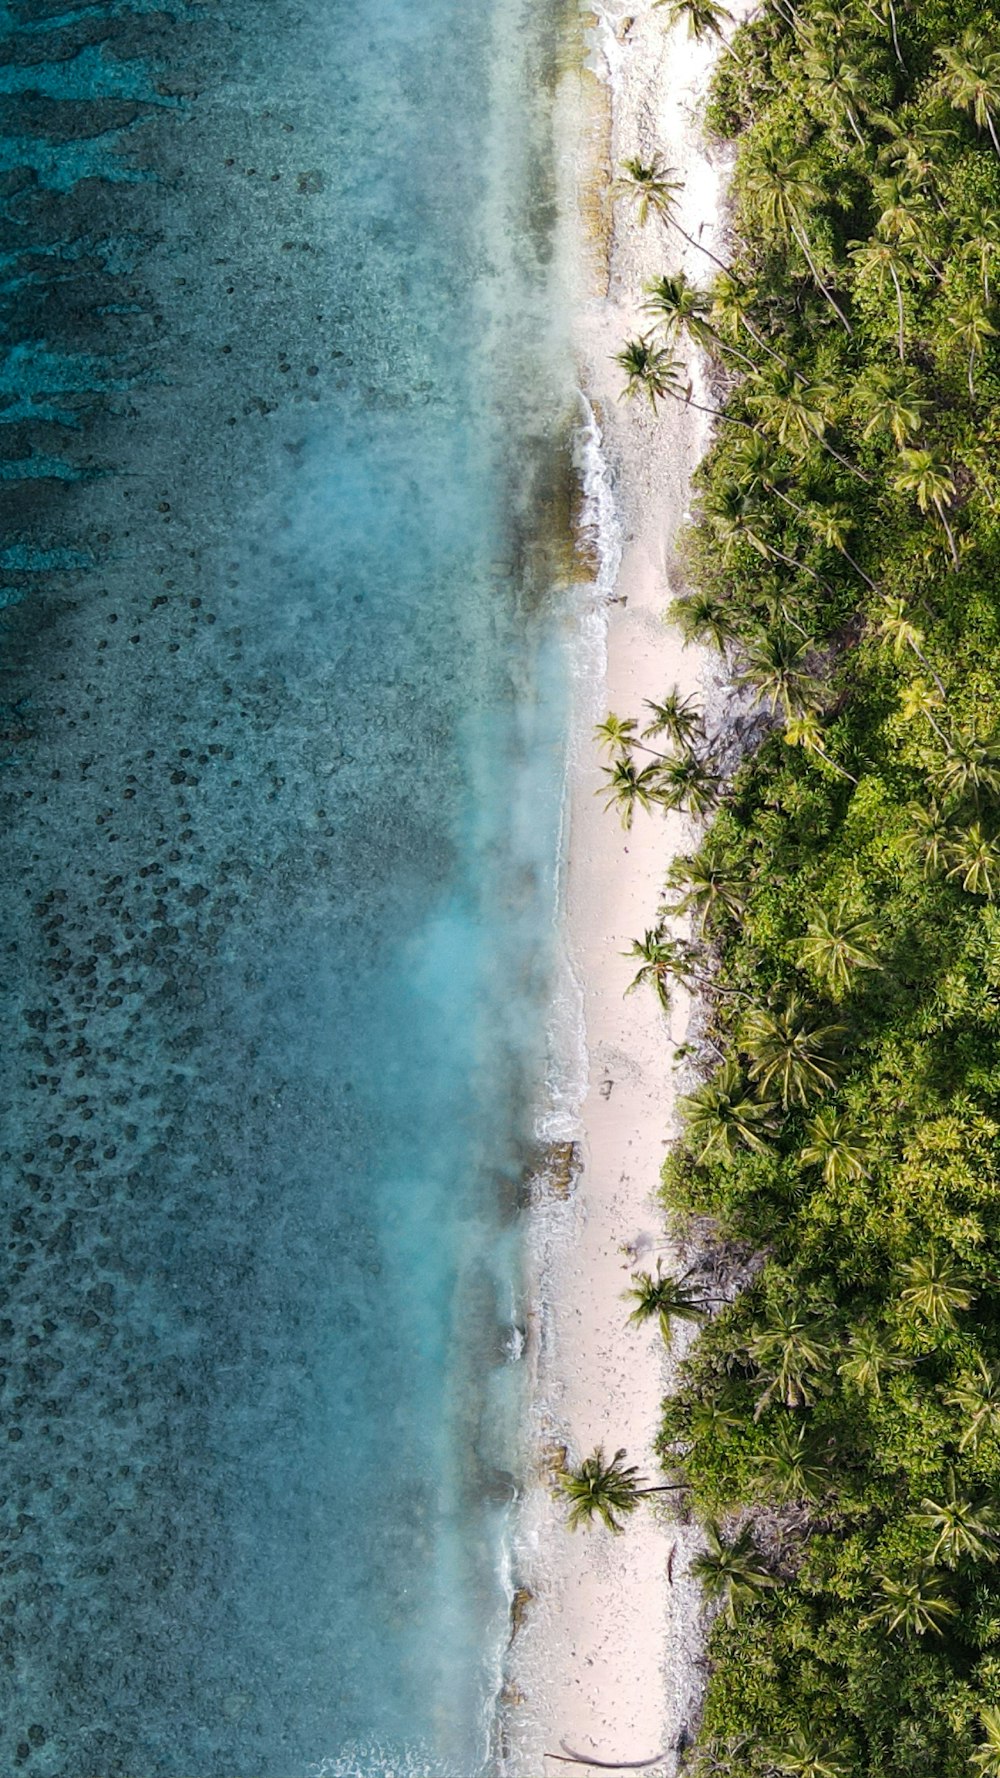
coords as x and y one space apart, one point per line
697 244
925 663
972 360
895 38
942 515
800 236
717 414
850 118
762 343
989 122
899 311
665 1488
845 462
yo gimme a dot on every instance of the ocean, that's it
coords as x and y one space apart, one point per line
285 423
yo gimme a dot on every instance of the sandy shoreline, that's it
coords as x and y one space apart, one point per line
607 1653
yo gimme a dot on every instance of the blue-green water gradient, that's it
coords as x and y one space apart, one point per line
283 705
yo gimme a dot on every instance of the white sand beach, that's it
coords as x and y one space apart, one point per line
606 1660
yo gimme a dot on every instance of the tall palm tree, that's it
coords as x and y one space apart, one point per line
609 1491
722 1116
679 308
935 1287
790 1051
906 219
662 960
915 1602
976 1395
986 1757
676 717
793 1464
837 83
732 304
897 627
806 731
709 888
665 1299
983 240
649 370
705 18
927 476
775 666
868 1357
971 328
733 515
836 1146
652 186
881 263
732 1572
795 413
701 617
975 861
616 733
629 787
686 781
970 79
791 1349
960 1526
891 402
784 191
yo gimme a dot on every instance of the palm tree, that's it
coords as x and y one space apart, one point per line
806 731
897 627
976 1395
881 262
616 733
905 219
961 1527
986 1757
664 1299
935 1287
837 82
794 1466
680 307
721 1117
836 944
628 788
775 668
652 186
649 370
868 1358
971 327
705 18
662 960
801 1756
731 304
731 1572
914 1602
970 79
983 239
678 718
928 835
729 509
709 887
701 617
926 475
686 781
606 1491
795 413
790 1051
891 402
792 1353
783 190
976 861
971 767
835 1146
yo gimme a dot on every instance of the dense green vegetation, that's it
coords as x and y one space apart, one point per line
839 1421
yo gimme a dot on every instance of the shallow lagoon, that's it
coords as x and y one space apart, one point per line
284 705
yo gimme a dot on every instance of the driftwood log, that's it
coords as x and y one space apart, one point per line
569 1758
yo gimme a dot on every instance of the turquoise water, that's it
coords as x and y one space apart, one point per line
282 423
